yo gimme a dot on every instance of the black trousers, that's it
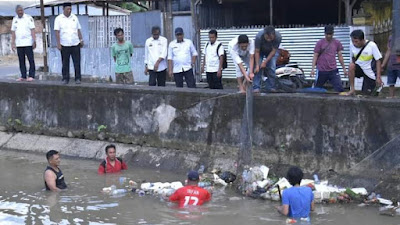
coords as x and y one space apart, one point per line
189 78
66 53
157 78
214 81
28 52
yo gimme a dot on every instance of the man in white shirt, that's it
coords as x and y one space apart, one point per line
69 41
24 40
363 52
242 51
213 61
181 59
156 50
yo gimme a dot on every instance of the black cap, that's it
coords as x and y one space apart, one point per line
67 4
179 30
329 29
193 176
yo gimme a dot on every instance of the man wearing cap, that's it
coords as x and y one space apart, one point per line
69 41
325 58
191 194
181 59
267 44
24 40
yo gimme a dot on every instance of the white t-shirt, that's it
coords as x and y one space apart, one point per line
155 49
212 59
371 51
181 54
23 30
68 27
237 53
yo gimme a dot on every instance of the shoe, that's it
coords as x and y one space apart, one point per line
30 79
78 82
21 79
65 82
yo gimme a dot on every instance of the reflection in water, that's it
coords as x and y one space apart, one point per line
24 201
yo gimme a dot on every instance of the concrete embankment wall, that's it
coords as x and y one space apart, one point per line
191 127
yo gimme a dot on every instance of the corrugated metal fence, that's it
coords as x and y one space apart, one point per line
300 42
101 30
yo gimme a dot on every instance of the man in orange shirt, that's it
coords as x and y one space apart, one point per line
111 164
191 194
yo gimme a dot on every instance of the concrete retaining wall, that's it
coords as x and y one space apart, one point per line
317 133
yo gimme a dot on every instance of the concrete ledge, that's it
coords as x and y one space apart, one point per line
148 157
316 132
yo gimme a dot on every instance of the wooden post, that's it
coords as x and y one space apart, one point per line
196 38
396 30
45 66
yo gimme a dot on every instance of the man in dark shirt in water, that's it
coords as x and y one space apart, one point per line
53 177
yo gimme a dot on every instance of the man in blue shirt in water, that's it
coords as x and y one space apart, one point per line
297 202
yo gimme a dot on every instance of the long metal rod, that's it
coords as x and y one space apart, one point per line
44 40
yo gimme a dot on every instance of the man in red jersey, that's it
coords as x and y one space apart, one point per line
191 194
111 164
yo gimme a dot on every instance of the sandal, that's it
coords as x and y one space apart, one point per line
30 79
21 79
347 93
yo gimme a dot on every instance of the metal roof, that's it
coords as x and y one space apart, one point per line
300 42
7 8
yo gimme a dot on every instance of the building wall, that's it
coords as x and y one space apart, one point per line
5 37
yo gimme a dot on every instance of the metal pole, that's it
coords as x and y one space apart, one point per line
45 66
271 11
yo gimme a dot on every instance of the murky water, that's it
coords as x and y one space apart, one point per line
23 200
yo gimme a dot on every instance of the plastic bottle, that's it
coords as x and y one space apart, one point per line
204 184
122 180
316 180
201 169
141 193
377 90
245 175
119 192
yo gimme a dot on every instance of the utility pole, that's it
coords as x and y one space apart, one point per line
44 40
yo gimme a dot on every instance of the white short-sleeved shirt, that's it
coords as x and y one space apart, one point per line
68 27
212 58
237 53
371 51
23 27
181 54
155 49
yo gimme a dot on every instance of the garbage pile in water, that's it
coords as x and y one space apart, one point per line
256 183
165 189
